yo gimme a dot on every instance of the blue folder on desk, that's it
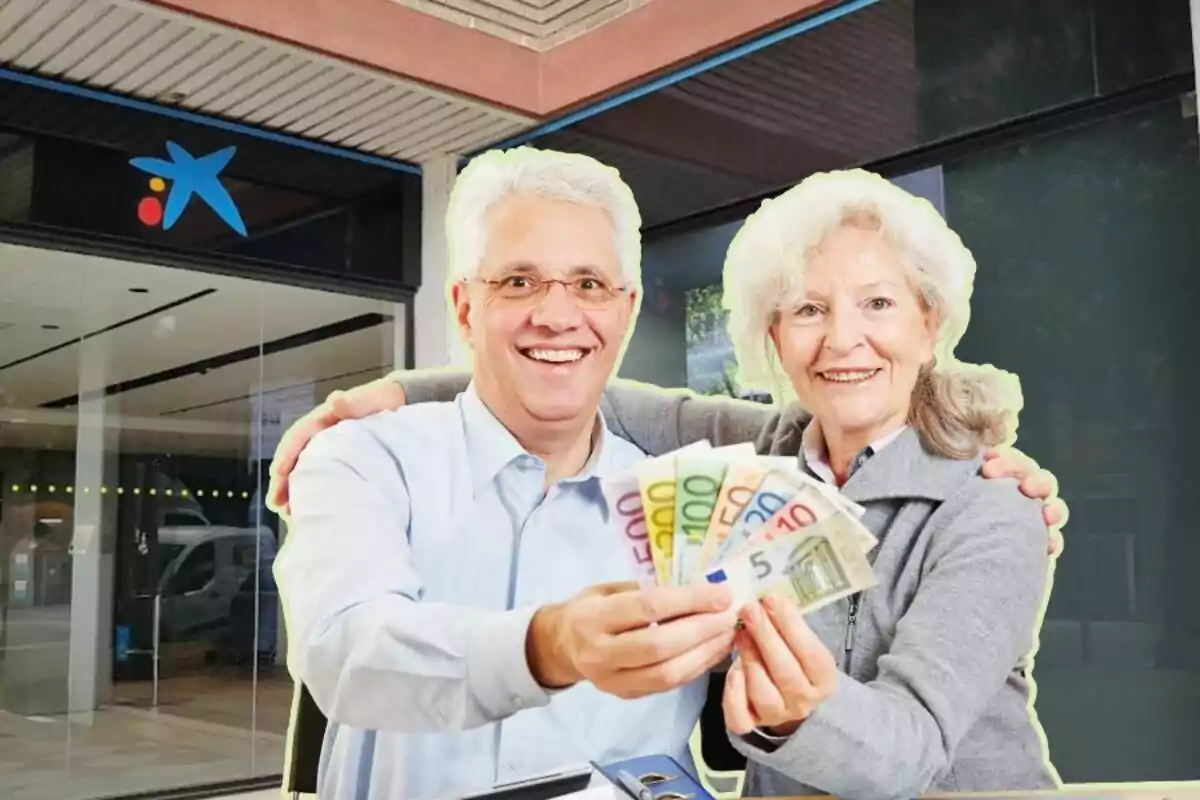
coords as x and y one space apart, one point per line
662 775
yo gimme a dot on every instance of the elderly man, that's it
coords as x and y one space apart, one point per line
436 577
450 564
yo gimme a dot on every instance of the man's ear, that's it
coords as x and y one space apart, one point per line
632 300
460 298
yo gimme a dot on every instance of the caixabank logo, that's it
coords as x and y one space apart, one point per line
181 178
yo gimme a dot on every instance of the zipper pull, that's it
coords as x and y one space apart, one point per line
851 622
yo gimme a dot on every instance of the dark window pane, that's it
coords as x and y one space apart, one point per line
986 62
871 85
1136 42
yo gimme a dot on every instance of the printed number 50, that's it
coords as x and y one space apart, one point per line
761 565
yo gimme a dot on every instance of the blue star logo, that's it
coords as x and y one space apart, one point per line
194 176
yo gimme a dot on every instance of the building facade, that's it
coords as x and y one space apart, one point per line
213 213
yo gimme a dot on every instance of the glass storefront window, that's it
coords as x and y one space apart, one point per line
141 644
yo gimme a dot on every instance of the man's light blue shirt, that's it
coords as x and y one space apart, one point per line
420 544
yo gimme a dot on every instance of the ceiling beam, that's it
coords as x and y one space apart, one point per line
659 36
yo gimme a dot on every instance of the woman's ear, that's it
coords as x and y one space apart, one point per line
932 321
773 335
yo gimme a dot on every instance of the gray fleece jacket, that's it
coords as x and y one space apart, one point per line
935 685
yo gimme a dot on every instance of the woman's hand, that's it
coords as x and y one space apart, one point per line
783 672
1035 482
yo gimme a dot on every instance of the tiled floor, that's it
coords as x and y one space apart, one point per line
205 730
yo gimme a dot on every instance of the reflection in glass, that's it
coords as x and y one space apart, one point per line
141 644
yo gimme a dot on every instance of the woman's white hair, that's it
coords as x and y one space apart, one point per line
497 174
956 407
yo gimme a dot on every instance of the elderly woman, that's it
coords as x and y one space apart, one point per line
847 296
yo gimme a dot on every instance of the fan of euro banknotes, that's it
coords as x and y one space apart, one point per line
758 523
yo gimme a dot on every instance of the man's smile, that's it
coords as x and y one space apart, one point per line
555 355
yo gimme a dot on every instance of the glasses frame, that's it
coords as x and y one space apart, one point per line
544 284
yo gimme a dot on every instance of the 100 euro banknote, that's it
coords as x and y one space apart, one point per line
742 478
698 482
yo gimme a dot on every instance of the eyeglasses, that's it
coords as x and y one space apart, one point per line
587 290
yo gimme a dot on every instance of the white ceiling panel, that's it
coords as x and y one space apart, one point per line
152 53
184 410
128 31
86 296
28 30
537 24
228 394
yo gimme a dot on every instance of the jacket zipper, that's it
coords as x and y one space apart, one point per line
851 623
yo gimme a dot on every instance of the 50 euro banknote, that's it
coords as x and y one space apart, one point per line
821 563
781 483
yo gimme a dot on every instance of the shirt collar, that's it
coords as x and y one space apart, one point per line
816 453
906 470
491 446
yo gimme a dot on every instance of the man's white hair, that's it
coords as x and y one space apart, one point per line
498 174
961 405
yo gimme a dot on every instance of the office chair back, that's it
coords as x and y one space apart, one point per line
715 749
307 736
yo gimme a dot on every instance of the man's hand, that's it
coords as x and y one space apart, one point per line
382 394
1038 483
631 642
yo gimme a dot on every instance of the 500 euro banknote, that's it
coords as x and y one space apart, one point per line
624 496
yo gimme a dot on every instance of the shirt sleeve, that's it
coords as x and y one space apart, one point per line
972 621
372 653
660 420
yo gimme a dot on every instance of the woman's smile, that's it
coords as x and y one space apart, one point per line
848 376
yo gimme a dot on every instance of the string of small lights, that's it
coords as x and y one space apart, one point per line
199 493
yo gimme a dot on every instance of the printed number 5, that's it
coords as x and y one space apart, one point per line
761 564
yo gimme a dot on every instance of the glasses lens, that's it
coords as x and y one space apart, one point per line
593 291
516 287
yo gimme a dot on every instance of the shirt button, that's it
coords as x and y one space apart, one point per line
518 701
